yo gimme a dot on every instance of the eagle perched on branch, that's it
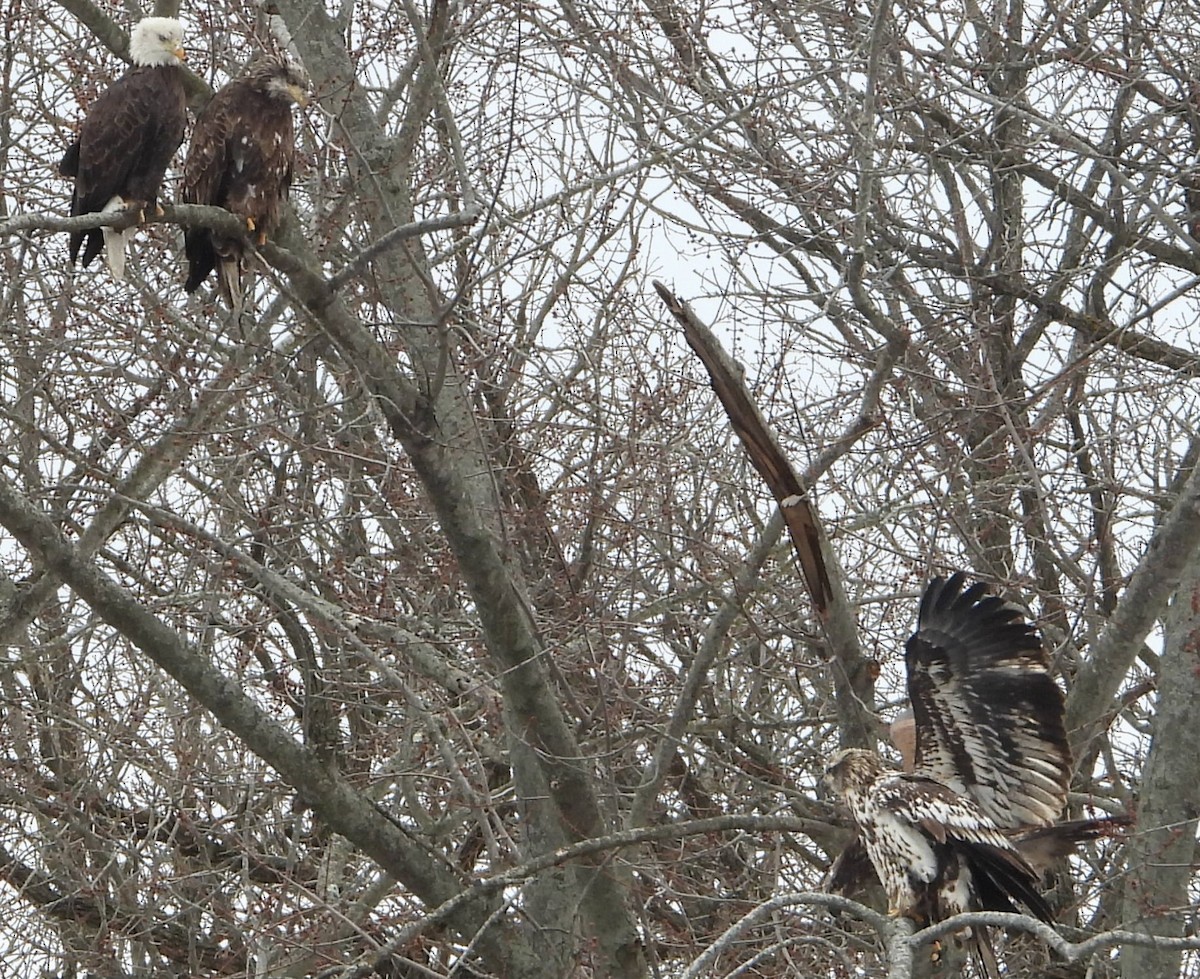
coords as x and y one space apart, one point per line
130 134
967 828
240 159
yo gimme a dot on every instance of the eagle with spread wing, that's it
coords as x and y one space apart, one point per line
971 826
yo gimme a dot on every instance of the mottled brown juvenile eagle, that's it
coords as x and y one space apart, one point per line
992 766
128 138
240 159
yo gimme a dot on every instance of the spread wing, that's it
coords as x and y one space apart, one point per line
988 714
1000 875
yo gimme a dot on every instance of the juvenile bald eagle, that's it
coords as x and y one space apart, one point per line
990 774
127 139
241 159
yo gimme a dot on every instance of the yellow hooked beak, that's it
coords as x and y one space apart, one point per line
299 96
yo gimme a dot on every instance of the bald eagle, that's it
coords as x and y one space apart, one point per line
964 830
127 139
241 159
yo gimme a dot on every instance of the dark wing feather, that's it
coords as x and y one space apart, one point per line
1000 875
206 168
852 871
68 166
205 176
988 714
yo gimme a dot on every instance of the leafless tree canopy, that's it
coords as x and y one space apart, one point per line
427 619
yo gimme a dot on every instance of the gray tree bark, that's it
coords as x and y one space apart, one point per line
1162 854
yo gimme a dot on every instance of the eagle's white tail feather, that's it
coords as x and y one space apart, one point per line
116 242
231 282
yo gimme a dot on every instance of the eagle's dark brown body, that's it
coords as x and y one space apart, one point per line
125 144
241 159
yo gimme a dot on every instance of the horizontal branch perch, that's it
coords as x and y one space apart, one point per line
196 215
1070 951
227 223
615 841
892 930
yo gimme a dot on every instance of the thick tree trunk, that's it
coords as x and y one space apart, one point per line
1162 852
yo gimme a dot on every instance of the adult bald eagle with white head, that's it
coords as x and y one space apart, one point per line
128 138
990 776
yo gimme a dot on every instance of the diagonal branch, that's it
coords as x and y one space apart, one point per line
1150 586
220 954
854 673
1135 344
763 449
322 787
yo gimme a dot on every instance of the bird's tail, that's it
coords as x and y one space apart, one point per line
984 953
116 242
230 272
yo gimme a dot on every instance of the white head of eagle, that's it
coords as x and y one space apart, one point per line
156 41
